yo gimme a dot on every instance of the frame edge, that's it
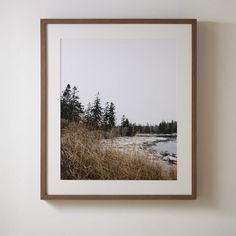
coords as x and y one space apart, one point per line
43 140
194 109
43 52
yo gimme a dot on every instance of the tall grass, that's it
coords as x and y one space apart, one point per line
84 157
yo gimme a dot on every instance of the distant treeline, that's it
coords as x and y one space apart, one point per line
103 118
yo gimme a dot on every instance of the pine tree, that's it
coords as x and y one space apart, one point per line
147 129
163 123
123 120
155 129
71 107
105 118
96 112
174 127
111 116
126 128
88 115
170 127
76 108
65 101
162 127
126 123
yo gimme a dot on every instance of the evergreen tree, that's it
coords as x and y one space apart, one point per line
170 127
105 118
139 128
88 115
75 106
126 128
65 102
167 127
71 107
155 129
126 122
163 127
111 116
147 129
96 112
123 121
174 127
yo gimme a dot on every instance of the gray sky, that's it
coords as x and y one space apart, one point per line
137 75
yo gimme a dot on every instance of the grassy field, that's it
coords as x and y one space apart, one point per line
84 157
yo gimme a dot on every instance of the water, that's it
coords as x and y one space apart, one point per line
167 146
155 144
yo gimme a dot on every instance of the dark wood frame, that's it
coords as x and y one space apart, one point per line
43 28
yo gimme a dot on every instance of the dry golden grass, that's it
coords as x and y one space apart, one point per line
84 157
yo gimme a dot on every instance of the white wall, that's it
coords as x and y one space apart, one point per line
21 211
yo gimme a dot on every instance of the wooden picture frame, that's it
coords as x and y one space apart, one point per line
190 26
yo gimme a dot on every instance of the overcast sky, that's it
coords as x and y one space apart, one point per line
137 75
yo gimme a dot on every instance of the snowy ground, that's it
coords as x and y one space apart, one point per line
141 145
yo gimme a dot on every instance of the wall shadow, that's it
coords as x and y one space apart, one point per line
209 83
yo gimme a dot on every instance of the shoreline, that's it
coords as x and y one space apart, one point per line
142 145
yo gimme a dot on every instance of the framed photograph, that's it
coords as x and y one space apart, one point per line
118 109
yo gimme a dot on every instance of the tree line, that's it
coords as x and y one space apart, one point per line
103 118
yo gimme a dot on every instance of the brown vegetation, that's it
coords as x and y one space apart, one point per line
83 157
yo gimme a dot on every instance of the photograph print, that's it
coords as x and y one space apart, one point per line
118 109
